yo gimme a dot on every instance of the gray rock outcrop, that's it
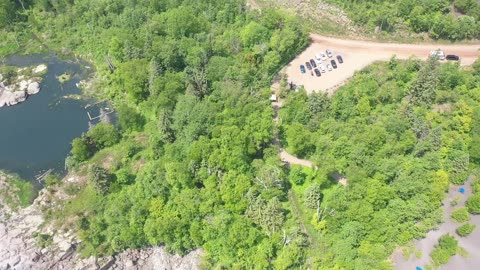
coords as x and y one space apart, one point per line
19 248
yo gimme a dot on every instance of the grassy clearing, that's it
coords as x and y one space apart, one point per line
16 193
69 210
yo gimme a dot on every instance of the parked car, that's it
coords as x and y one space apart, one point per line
322 68
439 54
329 53
302 69
340 59
308 65
318 57
334 65
319 62
312 62
329 67
323 57
317 72
452 57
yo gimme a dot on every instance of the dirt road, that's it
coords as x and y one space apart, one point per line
359 54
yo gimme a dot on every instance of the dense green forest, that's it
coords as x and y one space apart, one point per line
190 163
400 132
441 19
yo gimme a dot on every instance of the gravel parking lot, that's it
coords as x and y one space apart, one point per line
359 54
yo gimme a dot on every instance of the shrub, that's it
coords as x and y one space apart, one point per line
465 229
81 149
446 248
460 215
43 240
130 119
100 179
473 204
297 176
313 196
104 135
51 180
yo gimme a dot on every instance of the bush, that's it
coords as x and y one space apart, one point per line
129 119
446 248
81 149
104 135
51 180
473 204
100 179
460 215
25 192
297 176
465 229
313 196
43 240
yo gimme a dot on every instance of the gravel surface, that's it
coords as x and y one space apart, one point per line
426 245
359 54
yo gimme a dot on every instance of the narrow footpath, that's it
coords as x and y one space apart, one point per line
284 155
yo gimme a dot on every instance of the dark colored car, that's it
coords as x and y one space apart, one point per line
312 62
308 65
317 72
452 57
334 65
302 69
340 59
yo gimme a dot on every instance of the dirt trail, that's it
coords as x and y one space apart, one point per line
284 155
359 54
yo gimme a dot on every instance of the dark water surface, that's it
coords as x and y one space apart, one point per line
35 135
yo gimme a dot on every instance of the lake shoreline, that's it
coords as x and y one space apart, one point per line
17 85
37 133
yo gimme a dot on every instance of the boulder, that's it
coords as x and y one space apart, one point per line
33 88
18 96
23 85
40 68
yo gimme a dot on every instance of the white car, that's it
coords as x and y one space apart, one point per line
323 57
322 68
329 53
439 54
318 57
329 67
318 61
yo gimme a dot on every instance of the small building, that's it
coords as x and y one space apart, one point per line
273 98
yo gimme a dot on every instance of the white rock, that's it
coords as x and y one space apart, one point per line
20 96
23 85
40 68
33 88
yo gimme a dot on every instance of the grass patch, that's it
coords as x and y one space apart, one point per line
16 193
65 77
86 200
466 229
446 248
25 191
460 215
408 251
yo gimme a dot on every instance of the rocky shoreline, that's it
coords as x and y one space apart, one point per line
20 248
16 86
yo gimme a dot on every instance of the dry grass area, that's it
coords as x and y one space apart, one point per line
318 15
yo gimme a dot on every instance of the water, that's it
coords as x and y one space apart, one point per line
36 135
